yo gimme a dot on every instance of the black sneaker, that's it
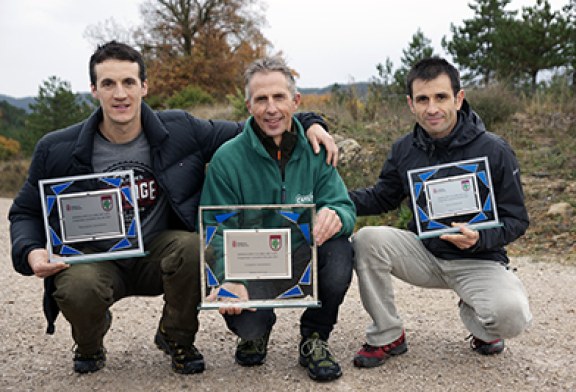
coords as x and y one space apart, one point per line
185 359
486 348
252 352
316 357
90 363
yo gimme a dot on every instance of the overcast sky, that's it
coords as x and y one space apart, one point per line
325 41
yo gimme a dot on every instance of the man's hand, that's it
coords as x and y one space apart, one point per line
42 267
465 240
236 288
326 225
317 135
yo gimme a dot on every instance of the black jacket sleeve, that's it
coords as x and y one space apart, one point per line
307 119
510 205
25 215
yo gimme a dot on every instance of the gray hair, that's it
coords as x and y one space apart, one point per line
265 65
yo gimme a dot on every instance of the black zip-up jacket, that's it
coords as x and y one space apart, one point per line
468 140
180 146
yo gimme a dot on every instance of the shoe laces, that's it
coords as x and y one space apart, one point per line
182 352
369 348
315 347
256 345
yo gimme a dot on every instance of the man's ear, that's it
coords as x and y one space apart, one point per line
410 103
144 88
460 99
297 100
248 106
94 91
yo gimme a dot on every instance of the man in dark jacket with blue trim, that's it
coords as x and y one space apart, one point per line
168 152
493 302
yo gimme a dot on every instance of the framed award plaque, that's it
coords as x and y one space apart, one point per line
91 217
267 249
453 192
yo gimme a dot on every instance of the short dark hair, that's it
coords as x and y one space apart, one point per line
430 68
269 64
117 51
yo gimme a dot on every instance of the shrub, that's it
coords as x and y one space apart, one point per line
189 97
238 103
13 174
494 104
9 148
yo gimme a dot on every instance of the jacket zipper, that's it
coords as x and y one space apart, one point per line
283 175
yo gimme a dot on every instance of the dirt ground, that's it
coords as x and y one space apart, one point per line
439 358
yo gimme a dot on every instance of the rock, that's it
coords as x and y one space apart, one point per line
563 209
349 149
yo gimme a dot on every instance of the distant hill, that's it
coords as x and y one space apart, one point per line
361 90
21 103
24 103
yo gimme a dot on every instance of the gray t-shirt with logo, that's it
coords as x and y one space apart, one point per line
135 155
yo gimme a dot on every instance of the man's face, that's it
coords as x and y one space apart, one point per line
120 92
271 103
435 105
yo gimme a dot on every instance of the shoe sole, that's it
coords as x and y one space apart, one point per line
249 364
90 369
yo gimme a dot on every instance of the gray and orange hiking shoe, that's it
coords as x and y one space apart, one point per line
486 348
372 356
317 359
186 359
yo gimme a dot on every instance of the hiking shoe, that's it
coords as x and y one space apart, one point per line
84 363
252 352
486 348
89 363
372 356
316 357
186 359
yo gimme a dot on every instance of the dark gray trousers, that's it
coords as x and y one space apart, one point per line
84 292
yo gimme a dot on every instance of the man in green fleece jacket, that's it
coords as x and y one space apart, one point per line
271 163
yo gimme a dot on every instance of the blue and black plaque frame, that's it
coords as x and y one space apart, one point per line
91 217
269 249
453 192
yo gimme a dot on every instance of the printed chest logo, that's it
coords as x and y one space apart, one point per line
304 199
147 188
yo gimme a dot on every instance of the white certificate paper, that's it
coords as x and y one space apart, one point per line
252 254
452 196
91 216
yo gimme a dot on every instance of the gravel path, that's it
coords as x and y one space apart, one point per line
439 359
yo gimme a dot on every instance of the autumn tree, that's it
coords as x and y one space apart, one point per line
472 45
109 30
207 43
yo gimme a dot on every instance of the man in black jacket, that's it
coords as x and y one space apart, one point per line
473 263
168 152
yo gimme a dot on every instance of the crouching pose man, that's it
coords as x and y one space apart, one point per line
271 163
493 303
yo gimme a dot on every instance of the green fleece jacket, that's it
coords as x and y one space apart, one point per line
242 173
